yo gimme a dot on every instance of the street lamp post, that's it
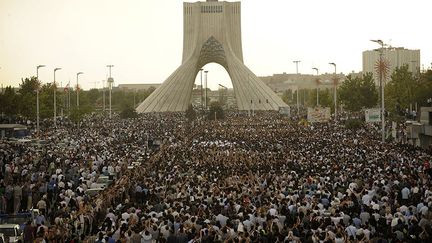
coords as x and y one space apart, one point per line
37 98
298 106
110 83
103 95
55 101
205 91
201 89
77 88
135 91
380 76
68 98
317 81
335 91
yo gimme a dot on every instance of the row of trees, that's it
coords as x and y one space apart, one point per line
22 101
402 91
354 93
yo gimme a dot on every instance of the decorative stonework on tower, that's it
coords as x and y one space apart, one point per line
212 33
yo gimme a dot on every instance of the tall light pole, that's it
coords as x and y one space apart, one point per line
335 90
103 94
201 89
298 106
69 98
55 101
381 73
317 82
77 88
135 91
110 83
37 98
205 94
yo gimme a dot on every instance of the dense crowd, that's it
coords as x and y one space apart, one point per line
245 179
53 174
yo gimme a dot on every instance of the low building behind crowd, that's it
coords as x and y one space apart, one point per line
420 133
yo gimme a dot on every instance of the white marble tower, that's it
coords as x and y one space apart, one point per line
212 33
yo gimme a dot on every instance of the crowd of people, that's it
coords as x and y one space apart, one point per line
50 177
265 178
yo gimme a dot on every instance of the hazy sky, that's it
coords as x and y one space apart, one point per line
144 38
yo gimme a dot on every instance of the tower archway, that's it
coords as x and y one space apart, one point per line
212 33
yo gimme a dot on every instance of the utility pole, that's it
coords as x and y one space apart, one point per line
381 75
110 83
202 106
335 90
298 105
37 98
77 88
103 94
55 99
317 83
205 91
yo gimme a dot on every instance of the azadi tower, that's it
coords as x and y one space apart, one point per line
212 33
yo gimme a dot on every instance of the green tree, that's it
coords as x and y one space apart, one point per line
325 98
357 93
400 91
8 102
190 113
216 110
424 89
287 96
94 97
46 101
27 97
128 112
77 115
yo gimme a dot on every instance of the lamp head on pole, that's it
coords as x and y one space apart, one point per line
56 69
333 64
79 73
40 66
379 42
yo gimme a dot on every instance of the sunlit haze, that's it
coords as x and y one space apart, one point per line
143 39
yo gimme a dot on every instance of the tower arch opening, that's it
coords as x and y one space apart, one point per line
213 84
212 38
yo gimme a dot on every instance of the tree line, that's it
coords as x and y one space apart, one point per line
403 90
21 102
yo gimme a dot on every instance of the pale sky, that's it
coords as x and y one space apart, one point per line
144 38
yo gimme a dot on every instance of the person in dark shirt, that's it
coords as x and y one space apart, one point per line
29 232
172 237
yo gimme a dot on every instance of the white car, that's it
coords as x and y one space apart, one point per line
11 232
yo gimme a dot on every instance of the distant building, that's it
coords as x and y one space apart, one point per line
420 133
285 81
137 87
396 56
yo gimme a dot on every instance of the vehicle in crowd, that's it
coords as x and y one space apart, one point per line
93 191
106 180
12 232
133 165
20 218
13 131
